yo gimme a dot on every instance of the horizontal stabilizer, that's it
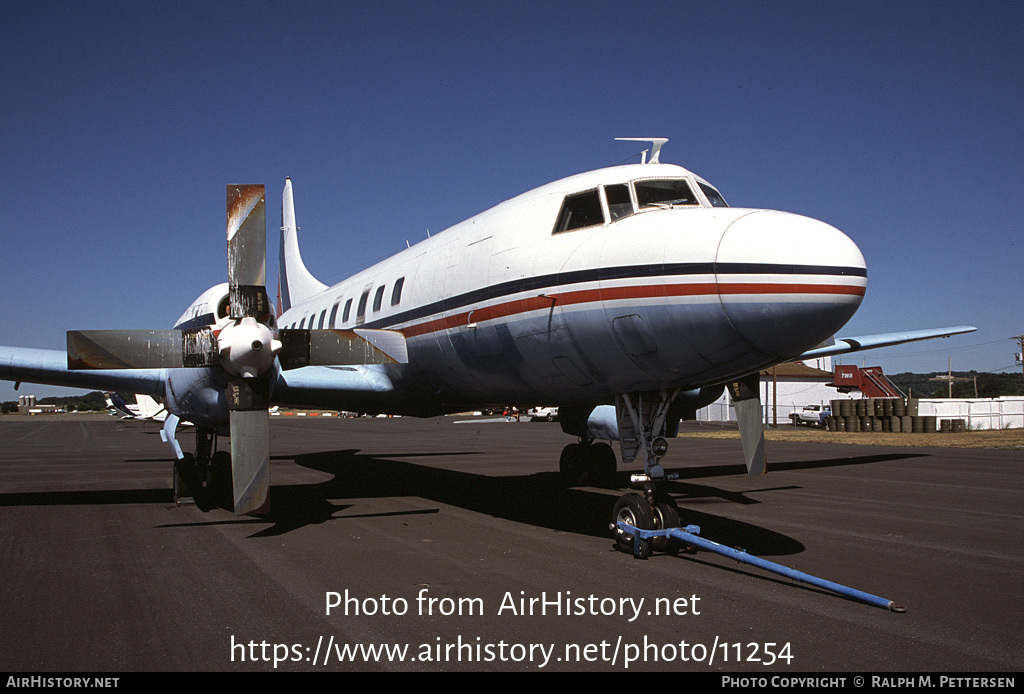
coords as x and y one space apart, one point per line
844 345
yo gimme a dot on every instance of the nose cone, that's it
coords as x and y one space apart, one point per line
786 282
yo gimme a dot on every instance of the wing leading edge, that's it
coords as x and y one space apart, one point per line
844 345
50 367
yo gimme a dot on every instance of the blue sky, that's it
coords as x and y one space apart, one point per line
899 123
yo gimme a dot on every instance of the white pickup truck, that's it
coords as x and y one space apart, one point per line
547 414
811 415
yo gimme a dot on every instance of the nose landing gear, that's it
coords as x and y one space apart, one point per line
641 421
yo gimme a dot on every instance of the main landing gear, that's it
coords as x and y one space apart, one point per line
206 475
587 462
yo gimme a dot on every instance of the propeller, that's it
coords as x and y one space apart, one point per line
246 348
746 398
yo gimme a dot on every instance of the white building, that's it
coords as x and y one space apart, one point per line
785 389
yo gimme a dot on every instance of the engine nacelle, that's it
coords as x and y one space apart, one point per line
197 396
211 308
601 423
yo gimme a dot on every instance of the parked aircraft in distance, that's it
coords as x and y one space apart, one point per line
145 408
628 297
117 404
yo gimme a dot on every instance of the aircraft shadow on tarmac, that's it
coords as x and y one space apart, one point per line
537 499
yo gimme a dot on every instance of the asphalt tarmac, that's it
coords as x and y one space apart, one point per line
441 544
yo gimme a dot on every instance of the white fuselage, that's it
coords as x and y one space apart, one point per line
504 307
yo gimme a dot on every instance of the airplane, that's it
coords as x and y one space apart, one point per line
147 408
628 296
115 403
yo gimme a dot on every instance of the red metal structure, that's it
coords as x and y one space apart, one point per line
870 381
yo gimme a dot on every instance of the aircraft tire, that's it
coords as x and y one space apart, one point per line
185 470
220 480
572 464
602 464
666 515
636 511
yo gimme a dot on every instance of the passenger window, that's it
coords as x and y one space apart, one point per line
302 323
664 193
378 298
619 203
396 293
334 314
579 211
347 311
323 315
361 308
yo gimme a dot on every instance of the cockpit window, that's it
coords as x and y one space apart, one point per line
664 193
580 210
619 203
714 197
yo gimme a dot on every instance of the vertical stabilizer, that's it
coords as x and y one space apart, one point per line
295 283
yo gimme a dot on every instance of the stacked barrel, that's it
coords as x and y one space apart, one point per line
895 415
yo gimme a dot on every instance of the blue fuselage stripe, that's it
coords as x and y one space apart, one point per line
563 279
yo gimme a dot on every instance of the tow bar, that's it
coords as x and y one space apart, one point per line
689 535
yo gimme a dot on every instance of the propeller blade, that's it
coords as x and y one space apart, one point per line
390 342
746 398
141 349
337 347
242 344
250 444
247 252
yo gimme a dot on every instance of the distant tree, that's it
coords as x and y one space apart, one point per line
90 402
990 385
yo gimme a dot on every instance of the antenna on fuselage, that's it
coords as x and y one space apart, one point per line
656 143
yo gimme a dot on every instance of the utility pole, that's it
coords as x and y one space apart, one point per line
1020 344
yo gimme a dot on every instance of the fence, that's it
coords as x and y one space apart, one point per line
979 413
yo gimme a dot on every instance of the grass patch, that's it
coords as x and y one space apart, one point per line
998 438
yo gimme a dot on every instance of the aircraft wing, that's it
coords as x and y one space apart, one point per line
50 367
343 387
843 345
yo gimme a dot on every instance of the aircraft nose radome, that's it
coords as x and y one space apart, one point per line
788 282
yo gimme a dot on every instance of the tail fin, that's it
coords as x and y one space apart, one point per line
116 402
148 407
295 283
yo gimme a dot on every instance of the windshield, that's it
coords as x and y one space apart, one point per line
714 197
664 193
